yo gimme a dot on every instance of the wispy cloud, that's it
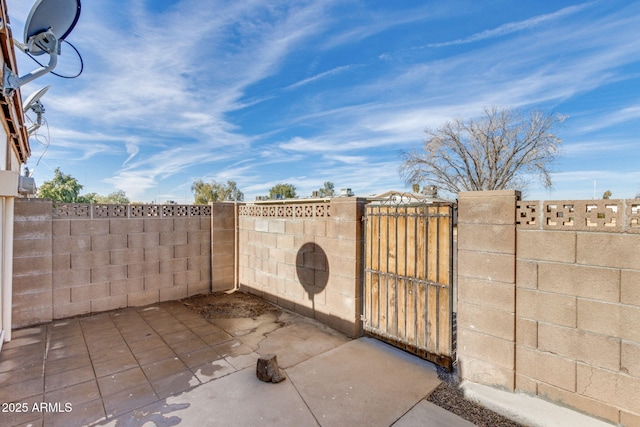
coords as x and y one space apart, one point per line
513 27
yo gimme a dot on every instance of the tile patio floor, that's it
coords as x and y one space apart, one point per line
155 365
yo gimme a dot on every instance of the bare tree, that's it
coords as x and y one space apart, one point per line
493 152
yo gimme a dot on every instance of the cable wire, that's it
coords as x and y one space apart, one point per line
60 75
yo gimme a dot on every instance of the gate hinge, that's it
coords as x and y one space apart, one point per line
364 218
363 318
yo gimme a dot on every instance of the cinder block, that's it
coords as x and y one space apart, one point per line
186 251
123 287
68 278
69 310
630 359
487 207
199 236
90 292
32 283
109 242
61 296
609 319
487 238
61 262
173 293
526 385
33 265
315 228
294 227
527 274
108 273
142 269
347 209
630 287
127 256
109 303
589 282
558 246
158 253
546 367
488 266
126 226
578 402
485 347
276 226
497 323
171 238
138 299
143 240
32 301
156 225
496 295
35 316
31 209
90 259
61 227
485 372
608 250
199 263
546 307
616 389
576 344
223 222
186 224
67 245
526 332
197 288
32 247
89 227
32 230
172 265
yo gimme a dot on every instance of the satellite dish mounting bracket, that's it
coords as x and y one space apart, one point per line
44 41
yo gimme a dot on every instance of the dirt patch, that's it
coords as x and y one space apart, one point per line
220 305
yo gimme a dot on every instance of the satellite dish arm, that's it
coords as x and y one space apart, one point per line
48 42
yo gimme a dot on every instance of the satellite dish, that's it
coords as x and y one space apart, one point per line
34 99
33 103
49 22
57 16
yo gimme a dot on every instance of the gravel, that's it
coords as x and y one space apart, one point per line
449 395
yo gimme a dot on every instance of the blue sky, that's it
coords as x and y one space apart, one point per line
303 92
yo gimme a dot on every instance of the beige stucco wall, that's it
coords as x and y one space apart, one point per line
306 257
70 266
549 304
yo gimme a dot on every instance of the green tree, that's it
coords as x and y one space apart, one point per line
328 190
282 191
62 188
607 194
493 152
117 197
213 191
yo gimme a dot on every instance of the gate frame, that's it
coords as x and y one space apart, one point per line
408 200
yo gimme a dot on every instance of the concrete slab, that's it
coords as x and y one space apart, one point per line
427 414
527 410
300 340
362 382
238 399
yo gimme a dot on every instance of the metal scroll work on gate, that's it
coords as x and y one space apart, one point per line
408 295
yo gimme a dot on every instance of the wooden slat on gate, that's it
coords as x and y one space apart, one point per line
408 277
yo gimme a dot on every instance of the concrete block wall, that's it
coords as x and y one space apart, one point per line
486 287
306 257
578 311
71 266
549 300
32 263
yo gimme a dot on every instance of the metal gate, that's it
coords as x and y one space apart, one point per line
408 295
